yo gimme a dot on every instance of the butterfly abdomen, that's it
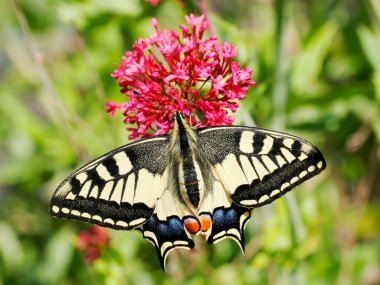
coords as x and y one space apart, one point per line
191 176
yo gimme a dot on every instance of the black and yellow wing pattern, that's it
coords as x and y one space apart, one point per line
119 190
143 185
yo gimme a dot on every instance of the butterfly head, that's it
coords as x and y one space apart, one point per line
179 118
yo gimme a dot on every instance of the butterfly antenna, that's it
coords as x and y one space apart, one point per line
142 96
137 93
207 79
191 99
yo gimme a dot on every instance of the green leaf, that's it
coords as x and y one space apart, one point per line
57 257
308 64
10 247
370 42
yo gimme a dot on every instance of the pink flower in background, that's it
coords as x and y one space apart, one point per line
92 241
153 2
164 73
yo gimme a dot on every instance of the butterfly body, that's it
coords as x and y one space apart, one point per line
189 181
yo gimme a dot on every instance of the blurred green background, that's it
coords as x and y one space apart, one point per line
317 68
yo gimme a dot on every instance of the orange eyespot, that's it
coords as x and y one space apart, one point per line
205 222
191 225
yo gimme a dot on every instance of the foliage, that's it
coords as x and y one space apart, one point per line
317 68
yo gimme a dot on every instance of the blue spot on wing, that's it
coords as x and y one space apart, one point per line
170 230
176 227
231 217
224 219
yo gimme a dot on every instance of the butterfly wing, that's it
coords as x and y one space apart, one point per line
228 219
119 190
165 229
257 166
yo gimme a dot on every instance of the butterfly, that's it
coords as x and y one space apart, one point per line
187 182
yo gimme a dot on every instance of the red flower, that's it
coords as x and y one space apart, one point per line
92 241
153 2
164 73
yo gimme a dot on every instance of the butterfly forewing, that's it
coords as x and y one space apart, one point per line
118 190
257 166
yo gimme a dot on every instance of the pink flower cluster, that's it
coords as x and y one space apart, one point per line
92 241
164 73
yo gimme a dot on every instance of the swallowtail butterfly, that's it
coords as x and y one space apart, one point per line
190 181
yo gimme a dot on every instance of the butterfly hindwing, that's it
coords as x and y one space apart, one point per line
118 190
257 166
165 229
228 219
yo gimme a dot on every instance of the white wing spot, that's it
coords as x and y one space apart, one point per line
280 160
123 162
319 164
75 212
81 177
70 196
94 192
234 232
248 168
294 180
151 236
86 215
267 145
55 209
180 242
222 233
137 222
248 202
65 210
246 142
303 174
97 218
116 195
109 221
103 172
263 198
164 246
260 169
288 155
85 189
303 156
311 168
288 142
284 186
106 191
122 224
274 192
243 218
129 189
269 163
306 148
